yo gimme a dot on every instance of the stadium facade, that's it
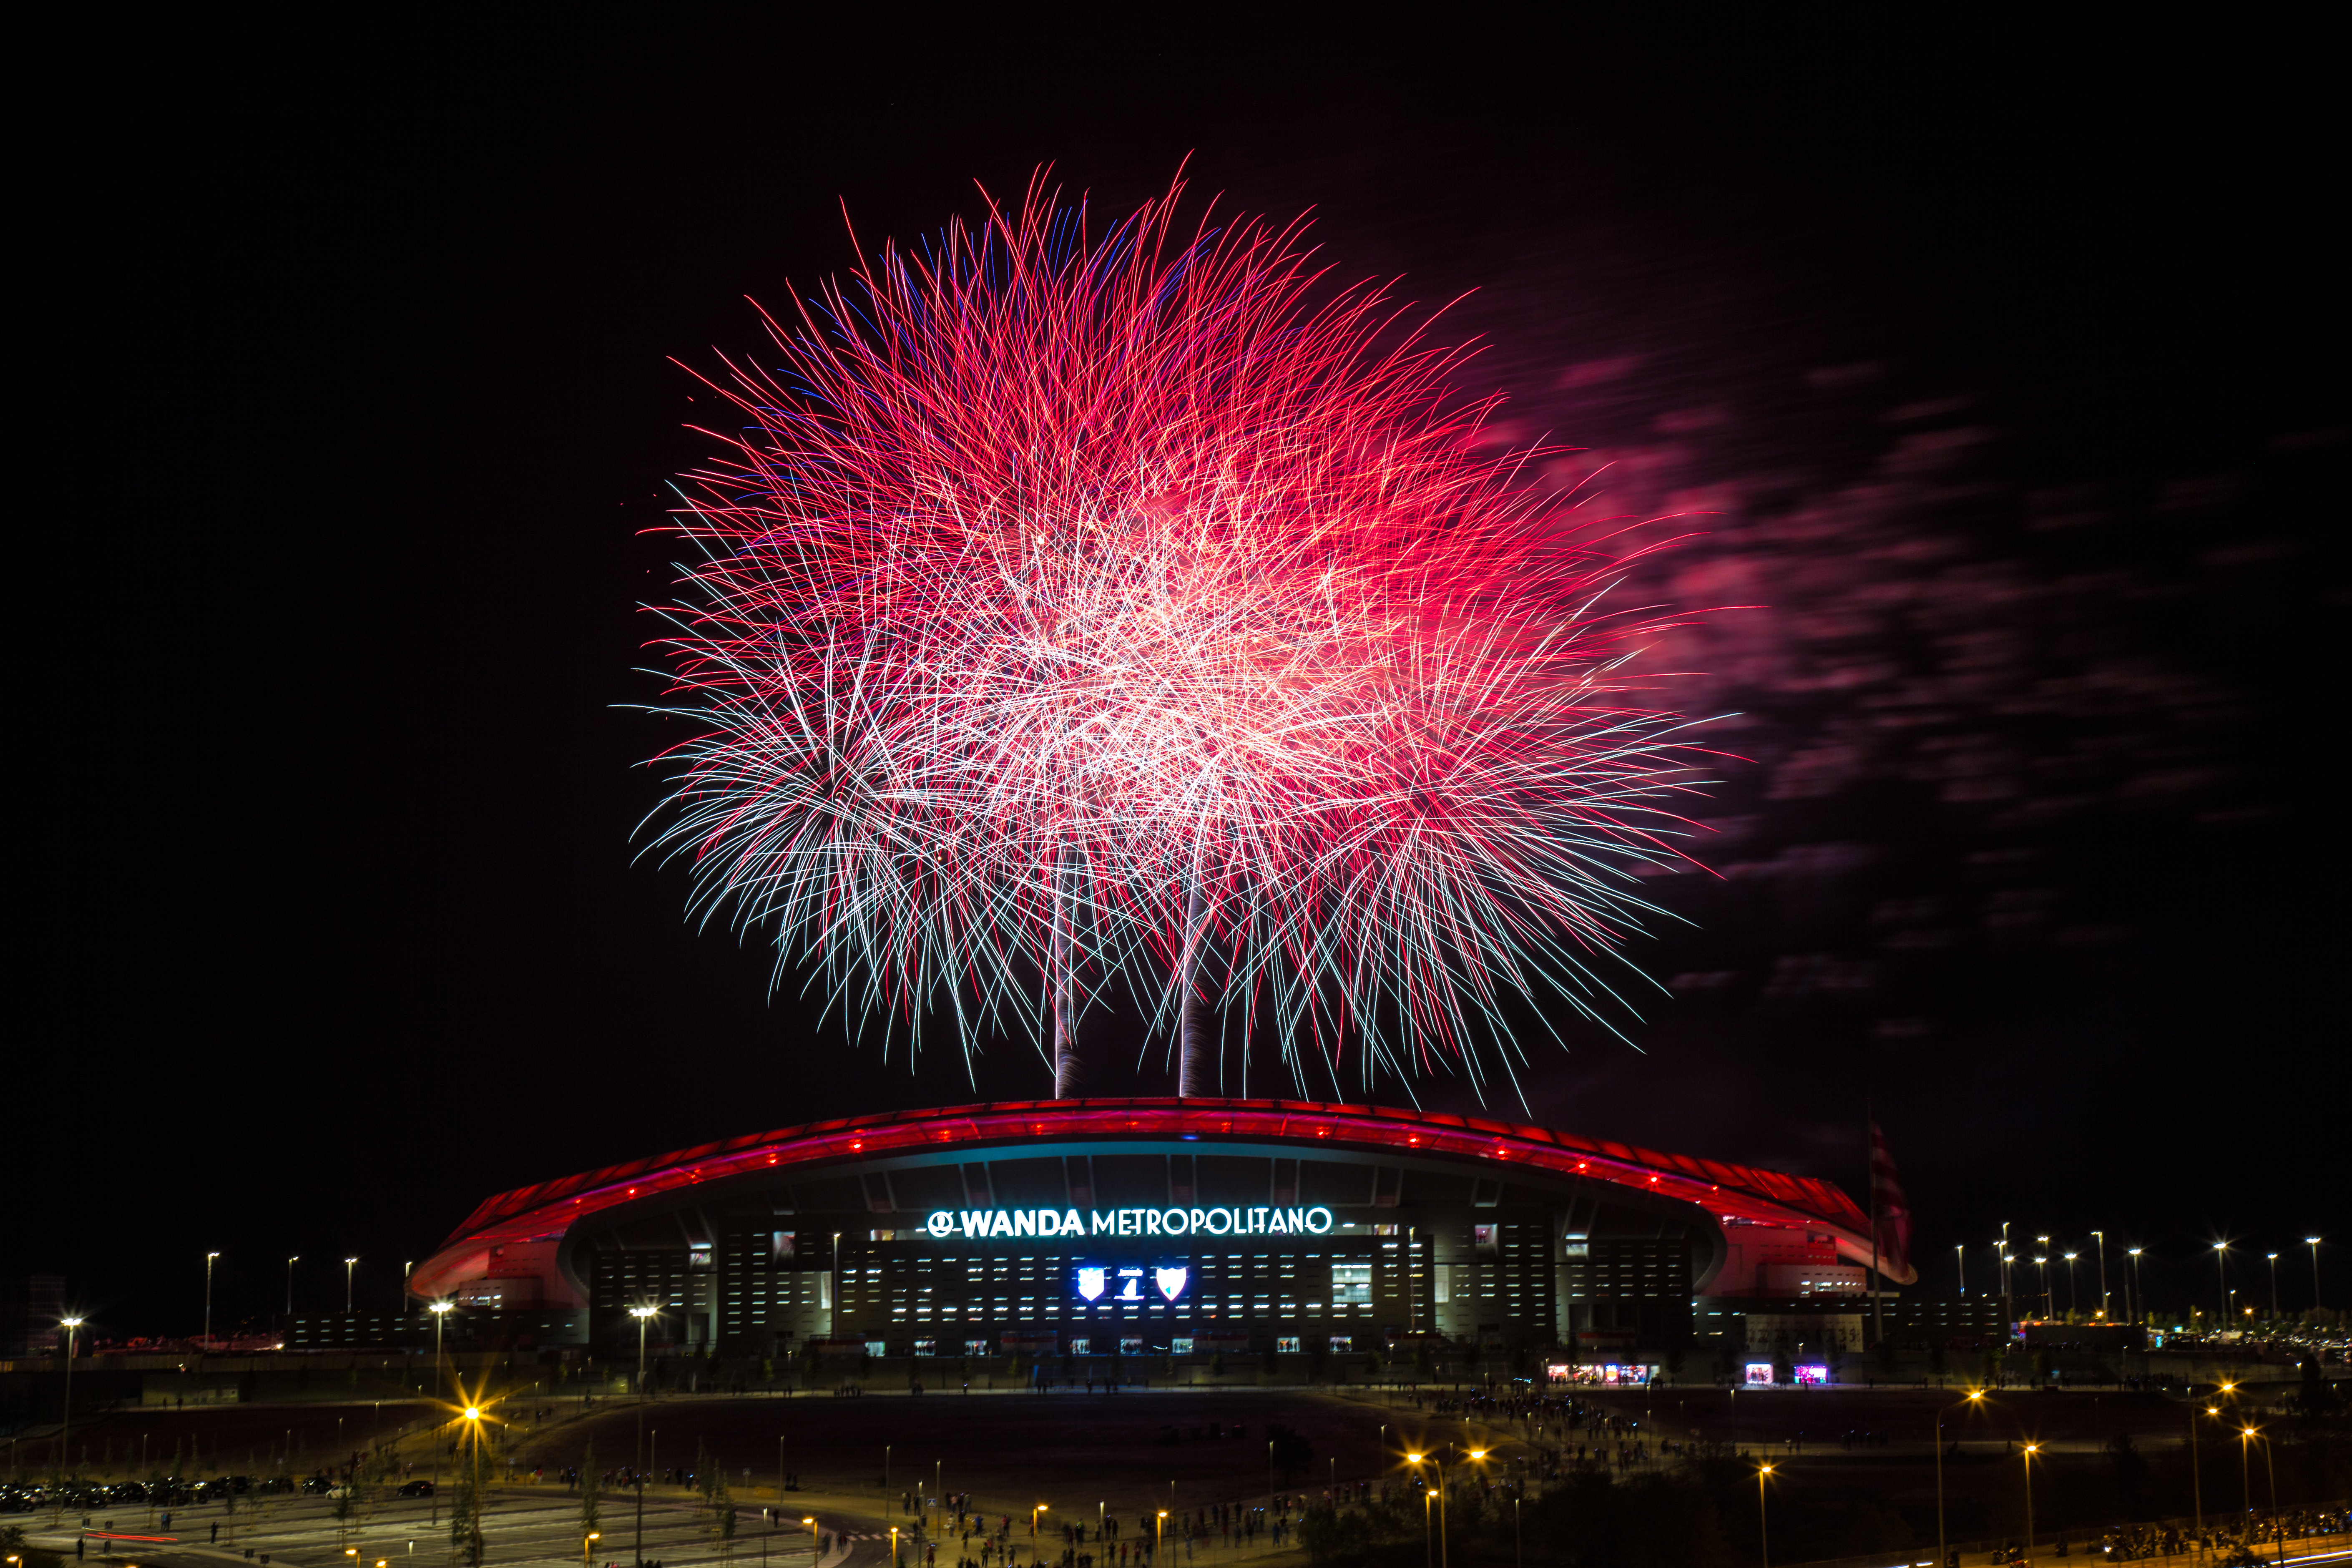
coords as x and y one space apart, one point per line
1161 1227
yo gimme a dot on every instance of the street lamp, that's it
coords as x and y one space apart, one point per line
349 1264
2070 1288
2312 1243
2042 1263
289 1285
2274 1287
72 1326
1439 1464
645 1315
2196 1471
2031 1449
1975 1399
2100 1237
2221 1263
1763 1529
1159 1536
2245 1480
1032 1529
209 1259
2270 1465
2138 1302
1960 1255
440 1310
585 1543
473 1494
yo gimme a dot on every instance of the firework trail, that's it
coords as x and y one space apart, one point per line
1084 616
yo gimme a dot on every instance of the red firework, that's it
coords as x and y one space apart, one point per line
1109 609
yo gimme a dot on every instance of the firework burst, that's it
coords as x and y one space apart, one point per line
1090 617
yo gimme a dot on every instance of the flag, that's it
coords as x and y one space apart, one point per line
1893 1210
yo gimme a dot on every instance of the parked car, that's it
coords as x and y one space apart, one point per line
418 1489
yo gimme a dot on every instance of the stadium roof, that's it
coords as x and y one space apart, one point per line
1729 1191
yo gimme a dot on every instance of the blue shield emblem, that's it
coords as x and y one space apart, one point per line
1090 1283
1170 1281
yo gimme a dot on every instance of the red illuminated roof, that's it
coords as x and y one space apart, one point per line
550 1208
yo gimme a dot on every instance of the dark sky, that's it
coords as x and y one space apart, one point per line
2004 369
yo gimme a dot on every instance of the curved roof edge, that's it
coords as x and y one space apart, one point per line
549 1209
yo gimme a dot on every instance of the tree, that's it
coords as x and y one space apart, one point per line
1289 1451
465 1506
590 1522
2130 1469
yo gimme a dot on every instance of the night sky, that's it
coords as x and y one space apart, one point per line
2003 371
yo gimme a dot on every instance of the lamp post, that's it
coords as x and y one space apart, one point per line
2312 1243
440 1310
2245 1477
1159 1536
1032 1530
1961 1253
2196 1470
72 1326
2031 1449
2138 1302
645 1315
2278 1535
2274 1287
1439 1465
2043 1264
811 1522
586 1542
289 1286
2071 1304
209 1259
1763 1529
2221 1263
349 1264
2100 1237
1975 1399
474 1482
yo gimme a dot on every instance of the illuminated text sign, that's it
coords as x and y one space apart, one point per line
980 1225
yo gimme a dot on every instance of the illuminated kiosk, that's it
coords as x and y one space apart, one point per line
1094 1226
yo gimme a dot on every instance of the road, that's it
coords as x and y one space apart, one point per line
520 1527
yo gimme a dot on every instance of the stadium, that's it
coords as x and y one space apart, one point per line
1167 1228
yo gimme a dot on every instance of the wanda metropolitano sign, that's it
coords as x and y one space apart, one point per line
983 1224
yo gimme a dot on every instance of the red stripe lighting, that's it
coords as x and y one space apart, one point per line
545 1211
